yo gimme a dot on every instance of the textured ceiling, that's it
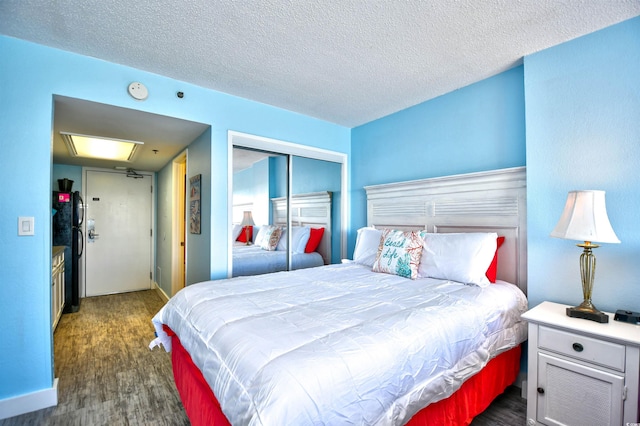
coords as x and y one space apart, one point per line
344 61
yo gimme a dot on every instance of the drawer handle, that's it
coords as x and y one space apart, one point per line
578 347
541 391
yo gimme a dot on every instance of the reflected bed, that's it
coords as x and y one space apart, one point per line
253 260
311 211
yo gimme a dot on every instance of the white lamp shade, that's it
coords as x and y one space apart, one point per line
585 219
247 219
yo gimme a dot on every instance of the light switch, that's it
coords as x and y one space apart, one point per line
25 225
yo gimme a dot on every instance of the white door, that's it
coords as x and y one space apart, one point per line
118 233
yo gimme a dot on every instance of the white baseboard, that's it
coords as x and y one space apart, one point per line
29 402
161 292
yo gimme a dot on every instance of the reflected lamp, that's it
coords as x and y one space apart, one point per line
247 221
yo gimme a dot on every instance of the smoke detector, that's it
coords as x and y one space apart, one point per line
138 91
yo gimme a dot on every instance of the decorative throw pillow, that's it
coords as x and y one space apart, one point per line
399 253
463 257
367 243
492 272
271 238
315 236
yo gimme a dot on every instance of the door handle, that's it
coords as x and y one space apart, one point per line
91 231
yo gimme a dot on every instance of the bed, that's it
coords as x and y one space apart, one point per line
345 344
309 212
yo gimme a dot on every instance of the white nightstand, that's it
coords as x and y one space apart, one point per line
581 372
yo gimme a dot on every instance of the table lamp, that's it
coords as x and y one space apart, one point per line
585 219
247 222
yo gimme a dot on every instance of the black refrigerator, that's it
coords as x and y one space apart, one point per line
67 224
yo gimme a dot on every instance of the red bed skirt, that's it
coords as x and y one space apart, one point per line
473 397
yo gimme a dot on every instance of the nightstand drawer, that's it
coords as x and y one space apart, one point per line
600 352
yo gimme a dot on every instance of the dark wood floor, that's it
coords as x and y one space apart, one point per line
108 376
508 409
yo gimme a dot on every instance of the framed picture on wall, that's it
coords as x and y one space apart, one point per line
194 204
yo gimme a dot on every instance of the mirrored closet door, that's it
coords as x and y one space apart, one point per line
286 211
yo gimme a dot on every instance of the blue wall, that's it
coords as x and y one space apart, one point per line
479 127
244 183
31 75
252 186
199 244
311 175
583 132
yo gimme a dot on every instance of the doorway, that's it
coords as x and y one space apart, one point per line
179 229
118 235
164 139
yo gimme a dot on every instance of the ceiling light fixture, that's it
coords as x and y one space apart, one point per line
99 147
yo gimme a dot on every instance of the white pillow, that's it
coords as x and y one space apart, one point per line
235 232
367 243
282 244
299 239
259 236
463 257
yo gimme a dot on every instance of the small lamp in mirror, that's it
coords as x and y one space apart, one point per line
247 225
585 219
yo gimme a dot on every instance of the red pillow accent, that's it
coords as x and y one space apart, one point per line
493 267
243 234
315 236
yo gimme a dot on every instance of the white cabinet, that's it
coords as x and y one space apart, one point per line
581 372
57 285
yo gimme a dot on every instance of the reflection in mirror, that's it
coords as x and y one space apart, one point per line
312 176
254 184
260 181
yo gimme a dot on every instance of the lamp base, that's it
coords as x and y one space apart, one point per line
591 314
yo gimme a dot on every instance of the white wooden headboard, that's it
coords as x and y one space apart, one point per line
313 210
493 201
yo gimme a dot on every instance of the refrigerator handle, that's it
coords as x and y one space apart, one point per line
81 243
80 210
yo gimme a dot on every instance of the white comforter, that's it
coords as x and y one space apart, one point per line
339 344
